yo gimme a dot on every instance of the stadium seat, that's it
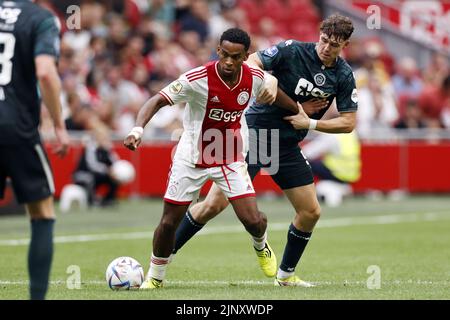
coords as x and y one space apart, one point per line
73 193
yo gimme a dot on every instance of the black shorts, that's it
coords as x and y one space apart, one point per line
293 169
29 170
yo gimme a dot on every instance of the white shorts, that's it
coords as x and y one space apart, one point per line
185 182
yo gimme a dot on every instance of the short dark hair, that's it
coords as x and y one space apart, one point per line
338 26
236 35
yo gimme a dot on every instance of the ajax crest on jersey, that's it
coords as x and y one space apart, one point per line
243 98
124 273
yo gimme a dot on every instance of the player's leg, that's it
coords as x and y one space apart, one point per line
199 214
40 253
33 185
307 208
296 180
184 183
163 243
236 183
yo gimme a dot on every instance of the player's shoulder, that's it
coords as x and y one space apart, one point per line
344 69
299 45
255 72
196 73
31 12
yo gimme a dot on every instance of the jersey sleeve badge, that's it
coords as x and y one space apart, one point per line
354 96
176 87
270 52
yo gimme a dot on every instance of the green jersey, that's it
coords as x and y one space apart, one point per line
302 76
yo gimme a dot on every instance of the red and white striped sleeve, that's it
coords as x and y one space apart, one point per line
181 89
258 80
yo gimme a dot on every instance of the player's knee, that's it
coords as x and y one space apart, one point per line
167 225
312 214
215 207
254 221
42 209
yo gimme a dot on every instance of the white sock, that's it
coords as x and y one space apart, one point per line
260 243
158 268
283 274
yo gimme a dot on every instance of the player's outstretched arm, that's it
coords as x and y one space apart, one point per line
50 86
268 93
146 113
344 123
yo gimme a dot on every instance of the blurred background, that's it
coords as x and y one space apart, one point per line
125 51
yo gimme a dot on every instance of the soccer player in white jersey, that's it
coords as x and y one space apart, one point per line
213 147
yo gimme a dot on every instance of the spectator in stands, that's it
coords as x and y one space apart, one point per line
378 109
162 11
433 101
407 81
137 36
196 19
437 70
223 20
412 116
81 117
123 95
94 168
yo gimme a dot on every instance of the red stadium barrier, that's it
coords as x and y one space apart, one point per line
411 166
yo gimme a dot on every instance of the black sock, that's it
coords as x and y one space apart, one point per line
186 230
296 243
40 255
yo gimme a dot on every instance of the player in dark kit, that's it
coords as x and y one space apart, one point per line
29 47
307 72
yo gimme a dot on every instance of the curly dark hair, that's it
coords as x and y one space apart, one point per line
236 35
337 25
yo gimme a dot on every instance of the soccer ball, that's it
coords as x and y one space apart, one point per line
123 171
124 273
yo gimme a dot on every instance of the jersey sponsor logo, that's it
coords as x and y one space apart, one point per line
306 88
221 115
320 79
243 98
354 96
10 15
270 52
176 87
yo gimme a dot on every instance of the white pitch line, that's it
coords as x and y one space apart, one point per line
327 223
247 282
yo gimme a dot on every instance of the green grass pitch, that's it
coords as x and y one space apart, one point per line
406 240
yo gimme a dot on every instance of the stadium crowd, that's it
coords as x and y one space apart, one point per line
125 51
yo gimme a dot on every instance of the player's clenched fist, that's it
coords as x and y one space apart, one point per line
134 138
